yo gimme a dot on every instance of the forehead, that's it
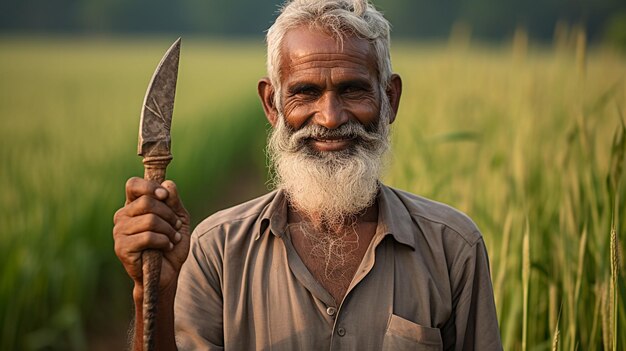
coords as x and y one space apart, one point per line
306 48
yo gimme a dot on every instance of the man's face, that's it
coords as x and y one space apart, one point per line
331 128
328 83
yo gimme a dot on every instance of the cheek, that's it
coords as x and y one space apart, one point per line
366 112
296 114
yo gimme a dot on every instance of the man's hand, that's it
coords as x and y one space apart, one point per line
153 217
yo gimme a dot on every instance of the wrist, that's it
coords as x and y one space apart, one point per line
167 292
138 293
165 321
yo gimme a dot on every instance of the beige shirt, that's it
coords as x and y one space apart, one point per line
423 284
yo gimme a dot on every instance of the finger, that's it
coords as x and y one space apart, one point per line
137 187
146 205
173 200
147 223
140 242
119 214
179 253
129 250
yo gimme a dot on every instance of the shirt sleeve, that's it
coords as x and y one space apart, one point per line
198 305
474 312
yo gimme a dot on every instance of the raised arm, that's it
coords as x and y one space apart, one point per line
153 217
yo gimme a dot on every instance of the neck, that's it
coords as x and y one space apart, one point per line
332 255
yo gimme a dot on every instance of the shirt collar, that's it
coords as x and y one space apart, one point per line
393 217
273 216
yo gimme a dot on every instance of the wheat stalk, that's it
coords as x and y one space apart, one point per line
613 288
555 339
525 284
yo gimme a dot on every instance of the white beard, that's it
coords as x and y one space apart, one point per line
329 188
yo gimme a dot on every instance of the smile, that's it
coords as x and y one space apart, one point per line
322 144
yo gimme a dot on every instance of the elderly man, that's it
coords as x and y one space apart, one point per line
332 259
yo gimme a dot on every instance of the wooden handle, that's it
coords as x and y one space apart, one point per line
154 169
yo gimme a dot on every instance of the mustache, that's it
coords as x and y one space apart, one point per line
364 136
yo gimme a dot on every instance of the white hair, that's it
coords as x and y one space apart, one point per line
338 18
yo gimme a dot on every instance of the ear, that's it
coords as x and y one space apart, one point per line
266 93
394 91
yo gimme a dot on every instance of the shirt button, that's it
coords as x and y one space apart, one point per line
341 331
331 311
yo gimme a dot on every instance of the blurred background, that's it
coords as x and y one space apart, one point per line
512 112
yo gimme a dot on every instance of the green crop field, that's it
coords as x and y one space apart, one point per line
68 135
525 145
529 143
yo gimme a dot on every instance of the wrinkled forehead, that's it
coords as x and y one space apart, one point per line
308 42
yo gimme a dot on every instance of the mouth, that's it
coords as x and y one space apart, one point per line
332 144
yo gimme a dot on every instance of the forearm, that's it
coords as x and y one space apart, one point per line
165 340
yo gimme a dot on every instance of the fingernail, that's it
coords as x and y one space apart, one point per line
171 246
179 224
160 193
177 237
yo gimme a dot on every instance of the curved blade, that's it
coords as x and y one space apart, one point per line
158 105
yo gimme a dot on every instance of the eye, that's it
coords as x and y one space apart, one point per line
353 90
308 91
304 90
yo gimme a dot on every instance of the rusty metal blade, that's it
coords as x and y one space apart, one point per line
158 105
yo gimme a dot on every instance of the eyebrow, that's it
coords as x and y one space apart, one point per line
359 83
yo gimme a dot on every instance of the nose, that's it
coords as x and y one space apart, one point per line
330 112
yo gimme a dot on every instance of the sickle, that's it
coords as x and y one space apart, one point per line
154 146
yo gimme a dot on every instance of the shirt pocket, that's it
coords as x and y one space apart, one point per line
402 334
